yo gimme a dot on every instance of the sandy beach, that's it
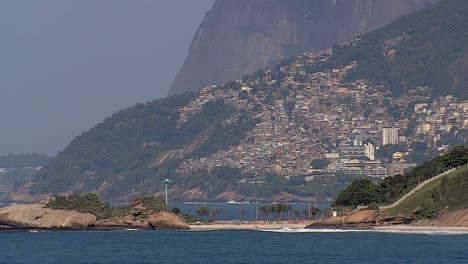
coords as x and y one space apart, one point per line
249 225
228 225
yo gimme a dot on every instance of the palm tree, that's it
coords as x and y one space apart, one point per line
288 210
296 212
214 213
315 211
282 209
274 210
203 212
306 213
265 210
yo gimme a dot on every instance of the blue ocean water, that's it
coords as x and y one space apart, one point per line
187 247
238 211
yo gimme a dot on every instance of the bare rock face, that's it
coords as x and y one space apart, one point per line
326 223
165 220
241 36
364 216
37 216
455 218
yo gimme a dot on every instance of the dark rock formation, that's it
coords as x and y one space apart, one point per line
241 36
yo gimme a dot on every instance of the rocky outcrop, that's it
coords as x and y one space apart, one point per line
161 220
37 216
386 220
365 219
326 223
242 36
364 216
140 217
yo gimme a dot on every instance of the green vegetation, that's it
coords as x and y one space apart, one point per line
90 203
392 188
417 50
396 187
360 192
319 164
156 204
120 149
190 218
446 192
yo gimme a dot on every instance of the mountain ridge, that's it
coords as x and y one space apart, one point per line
240 37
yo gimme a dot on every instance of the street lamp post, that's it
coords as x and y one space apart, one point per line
166 181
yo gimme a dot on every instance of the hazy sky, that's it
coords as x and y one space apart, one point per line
65 65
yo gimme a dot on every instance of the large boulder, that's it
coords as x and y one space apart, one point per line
38 216
360 217
165 220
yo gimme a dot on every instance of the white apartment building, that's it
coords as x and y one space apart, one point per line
389 136
369 151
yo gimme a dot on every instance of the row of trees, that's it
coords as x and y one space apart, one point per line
211 213
280 211
273 212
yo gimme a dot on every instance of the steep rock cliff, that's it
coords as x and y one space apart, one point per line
242 36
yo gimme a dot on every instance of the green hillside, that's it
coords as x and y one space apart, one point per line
449 191
428 48
120 149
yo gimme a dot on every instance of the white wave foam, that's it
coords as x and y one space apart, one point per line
422 232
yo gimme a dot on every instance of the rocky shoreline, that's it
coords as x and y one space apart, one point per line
39 217
373 219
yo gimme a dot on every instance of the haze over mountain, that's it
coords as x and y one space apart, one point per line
65 65
242 36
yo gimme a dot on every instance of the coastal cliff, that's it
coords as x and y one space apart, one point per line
242 36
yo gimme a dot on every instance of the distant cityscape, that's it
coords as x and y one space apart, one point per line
316 125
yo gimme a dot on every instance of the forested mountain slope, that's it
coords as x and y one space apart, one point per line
428 48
